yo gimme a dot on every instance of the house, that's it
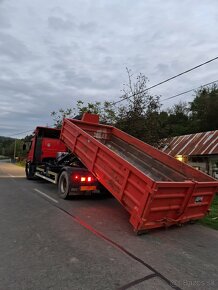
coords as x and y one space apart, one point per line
199 150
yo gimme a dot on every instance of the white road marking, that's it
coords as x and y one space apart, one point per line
13 176
44 194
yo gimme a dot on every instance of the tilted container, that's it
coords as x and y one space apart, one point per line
155 188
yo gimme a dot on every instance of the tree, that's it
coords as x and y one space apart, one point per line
140 116
106 111
178 119
7 146
60 115
204 109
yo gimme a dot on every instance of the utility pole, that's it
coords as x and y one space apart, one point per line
15 145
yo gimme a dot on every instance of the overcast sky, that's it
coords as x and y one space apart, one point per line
54 52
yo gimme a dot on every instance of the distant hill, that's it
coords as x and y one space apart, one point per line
2 138
10 148
7 146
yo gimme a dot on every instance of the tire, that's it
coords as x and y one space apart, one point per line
30 171
63 185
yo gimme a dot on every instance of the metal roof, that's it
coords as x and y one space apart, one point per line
205 143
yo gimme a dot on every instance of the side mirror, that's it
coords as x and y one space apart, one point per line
24 147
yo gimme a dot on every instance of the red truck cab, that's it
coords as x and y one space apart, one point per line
49 158
45 144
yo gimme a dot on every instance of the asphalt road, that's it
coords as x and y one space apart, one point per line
88 243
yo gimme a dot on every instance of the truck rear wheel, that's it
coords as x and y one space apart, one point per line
29 170
64 185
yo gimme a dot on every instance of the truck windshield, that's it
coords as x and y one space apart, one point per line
49 133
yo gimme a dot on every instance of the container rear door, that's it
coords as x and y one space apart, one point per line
173 203
200 200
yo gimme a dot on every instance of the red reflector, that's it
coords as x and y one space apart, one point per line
76 177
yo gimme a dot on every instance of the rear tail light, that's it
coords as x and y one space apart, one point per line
80 178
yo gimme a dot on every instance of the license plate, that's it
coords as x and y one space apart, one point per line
84 188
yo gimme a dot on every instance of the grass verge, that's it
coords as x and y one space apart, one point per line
211 220
21 163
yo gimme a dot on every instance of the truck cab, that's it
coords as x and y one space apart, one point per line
45 144
49 158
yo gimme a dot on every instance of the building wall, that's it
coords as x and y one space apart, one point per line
213 166
207 164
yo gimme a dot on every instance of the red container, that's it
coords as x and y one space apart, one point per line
156 189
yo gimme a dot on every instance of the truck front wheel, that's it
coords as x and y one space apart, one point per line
30 170
63 185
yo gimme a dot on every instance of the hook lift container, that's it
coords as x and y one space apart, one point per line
156 189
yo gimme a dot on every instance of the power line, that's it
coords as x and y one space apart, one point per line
22 132
167 80
18 133
189 91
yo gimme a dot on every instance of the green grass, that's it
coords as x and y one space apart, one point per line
21 163
211 220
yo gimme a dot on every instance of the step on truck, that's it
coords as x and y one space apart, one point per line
156 189
49 158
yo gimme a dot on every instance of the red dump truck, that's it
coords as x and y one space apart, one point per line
48 158
156 189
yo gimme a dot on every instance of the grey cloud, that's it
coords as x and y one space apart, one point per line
164 69
25 104
88 27
14 49
58 23
4 21
6 72
82 50
64 51
67 24
69 75
101 48
108 60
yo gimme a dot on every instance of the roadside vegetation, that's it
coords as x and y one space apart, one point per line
11 147
21 163
141 114
211 220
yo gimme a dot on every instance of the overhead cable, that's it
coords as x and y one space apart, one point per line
167 80
177 95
